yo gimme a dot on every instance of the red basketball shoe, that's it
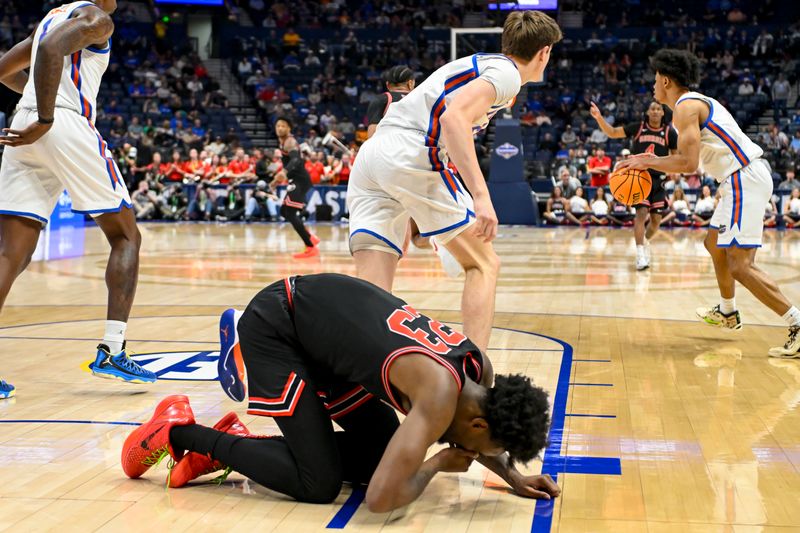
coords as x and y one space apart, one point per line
148 444
314 239
194 464
310 251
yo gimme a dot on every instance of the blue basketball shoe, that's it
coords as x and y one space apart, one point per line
7 390
119 366
230 366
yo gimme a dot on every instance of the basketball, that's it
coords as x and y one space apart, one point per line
630 186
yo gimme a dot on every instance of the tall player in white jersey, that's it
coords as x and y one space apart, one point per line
52 145
708 133
402 170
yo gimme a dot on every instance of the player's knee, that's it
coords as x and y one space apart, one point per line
738 267
324 490
710 242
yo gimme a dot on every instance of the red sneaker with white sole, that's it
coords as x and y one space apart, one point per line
314 239
148 444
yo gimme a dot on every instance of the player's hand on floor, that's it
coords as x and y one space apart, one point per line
29 135
537 487
454 459
485 219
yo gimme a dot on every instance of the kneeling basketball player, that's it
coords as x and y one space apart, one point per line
330 347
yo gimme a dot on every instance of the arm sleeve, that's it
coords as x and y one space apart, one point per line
376 108
672 141
294 163
504 77
631 128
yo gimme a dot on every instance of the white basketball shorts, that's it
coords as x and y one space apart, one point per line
393 178
739 216
71 156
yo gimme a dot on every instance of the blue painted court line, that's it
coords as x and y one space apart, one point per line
524 349
348 509
591 384
591 360
113 423
590 416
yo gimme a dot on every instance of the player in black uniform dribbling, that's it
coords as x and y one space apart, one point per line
331 347
298 185
654 135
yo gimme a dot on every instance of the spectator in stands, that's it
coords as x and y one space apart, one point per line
556 209
704 208
568 137
791 182
599 208
598 136
315 167
599 167
217 147
245 68
771 214
621 214
568 183
193 169
240 169
791 210
781 90
675 181
679 209
202 205
795 144
746 87
579 211
145 202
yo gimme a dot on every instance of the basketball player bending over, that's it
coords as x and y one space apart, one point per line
654 136
708 133
330 347
402 170
52 144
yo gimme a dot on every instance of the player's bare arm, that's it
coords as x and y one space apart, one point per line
90 26
468 106
687 119
403 473
13 64
613 132
540 487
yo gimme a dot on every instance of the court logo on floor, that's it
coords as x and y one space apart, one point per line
178 366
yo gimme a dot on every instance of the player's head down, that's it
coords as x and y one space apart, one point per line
530 36
512 416
675 69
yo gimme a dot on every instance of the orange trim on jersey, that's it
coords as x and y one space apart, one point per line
289 293
729 142
405 351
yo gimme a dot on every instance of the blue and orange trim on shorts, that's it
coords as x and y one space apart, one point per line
737 191
435 129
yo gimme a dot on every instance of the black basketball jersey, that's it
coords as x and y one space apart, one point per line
352 332
378 107
296 171
658 141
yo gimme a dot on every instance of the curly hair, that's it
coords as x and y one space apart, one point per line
679 65
517 412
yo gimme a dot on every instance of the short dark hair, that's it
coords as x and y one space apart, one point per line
527 32
517 412
285 119
680 66
398 74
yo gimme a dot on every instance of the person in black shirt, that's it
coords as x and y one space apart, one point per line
655 135
298 185
331 347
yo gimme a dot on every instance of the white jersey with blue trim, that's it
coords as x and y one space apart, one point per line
724 148
80 74
421 109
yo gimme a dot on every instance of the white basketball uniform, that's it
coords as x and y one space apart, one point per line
72 154
745 180
402 170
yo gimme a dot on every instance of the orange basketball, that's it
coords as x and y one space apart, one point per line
630 186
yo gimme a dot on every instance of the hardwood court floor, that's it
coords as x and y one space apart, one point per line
661 424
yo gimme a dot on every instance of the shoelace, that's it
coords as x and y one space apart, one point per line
129 364
793 331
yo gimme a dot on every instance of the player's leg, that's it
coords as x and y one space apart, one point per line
376 266
292 215
482 267
18 238
639 224
87 169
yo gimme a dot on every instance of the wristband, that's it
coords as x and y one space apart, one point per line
46 120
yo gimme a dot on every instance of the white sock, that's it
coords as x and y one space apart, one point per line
727 305
640 249
792 316
115 335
